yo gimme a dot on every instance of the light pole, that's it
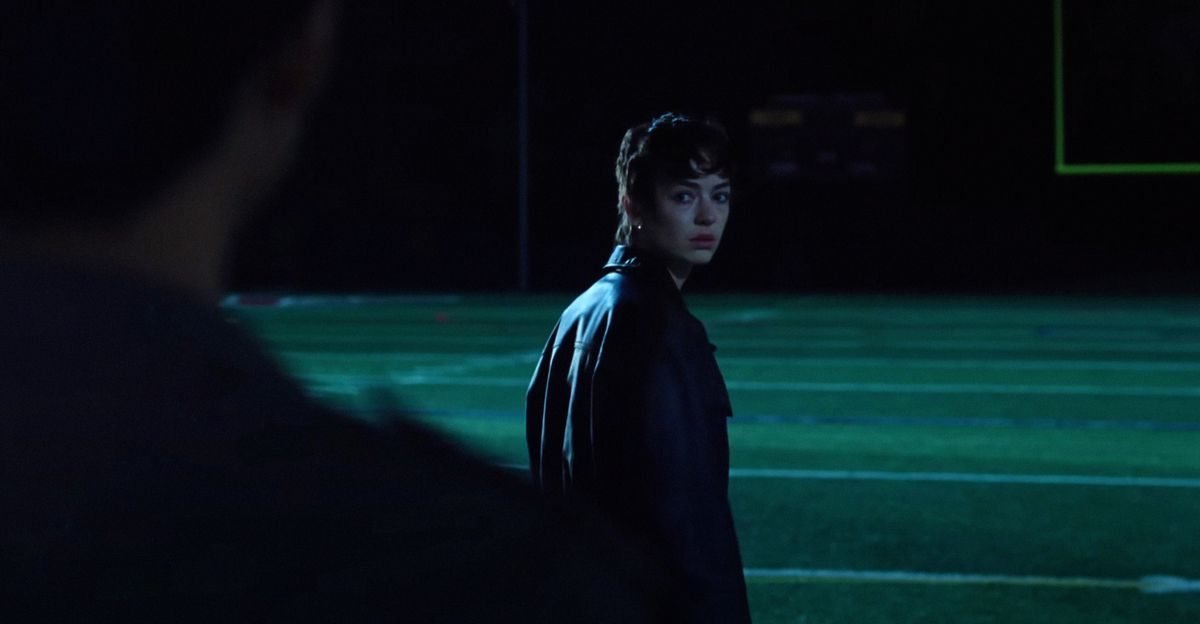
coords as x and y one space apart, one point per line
522 7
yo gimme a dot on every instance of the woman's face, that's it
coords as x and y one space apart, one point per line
686 226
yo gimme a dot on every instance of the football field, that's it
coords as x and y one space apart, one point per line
894 459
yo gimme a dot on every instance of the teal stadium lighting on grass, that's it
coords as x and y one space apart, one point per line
1061 166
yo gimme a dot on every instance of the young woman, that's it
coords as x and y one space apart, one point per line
627 406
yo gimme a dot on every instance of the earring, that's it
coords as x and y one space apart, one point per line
638 227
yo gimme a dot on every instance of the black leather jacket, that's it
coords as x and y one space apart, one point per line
627 406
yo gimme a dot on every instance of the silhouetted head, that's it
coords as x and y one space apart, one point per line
104 103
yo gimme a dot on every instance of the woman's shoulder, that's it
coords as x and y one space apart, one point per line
615 305
615 293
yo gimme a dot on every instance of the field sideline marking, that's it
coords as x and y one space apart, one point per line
964 422
234 300
885 421
944 477
964 364
963 477
822 362
967 345
340 336
801 386
968 388
1147 584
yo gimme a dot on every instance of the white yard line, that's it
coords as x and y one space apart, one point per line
943 344
967 388
952 477
964 477
963 364
235 300
377 356
1146 584
818 362
346 336
431 378
881 420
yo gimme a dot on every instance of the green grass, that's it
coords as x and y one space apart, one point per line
1046 386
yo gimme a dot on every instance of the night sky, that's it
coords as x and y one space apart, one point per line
407 180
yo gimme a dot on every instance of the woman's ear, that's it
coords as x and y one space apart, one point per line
632 214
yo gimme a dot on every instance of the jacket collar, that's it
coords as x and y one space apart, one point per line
643 266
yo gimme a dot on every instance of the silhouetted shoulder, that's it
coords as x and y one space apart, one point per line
165 469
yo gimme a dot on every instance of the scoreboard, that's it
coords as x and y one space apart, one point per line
833 136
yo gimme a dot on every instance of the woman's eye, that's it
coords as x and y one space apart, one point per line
722 198
682 197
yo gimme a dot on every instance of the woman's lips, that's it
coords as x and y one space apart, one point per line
703 241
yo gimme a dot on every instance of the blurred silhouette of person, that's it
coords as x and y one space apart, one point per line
627 405
156 464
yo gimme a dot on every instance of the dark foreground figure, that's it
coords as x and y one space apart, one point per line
155 465
627 406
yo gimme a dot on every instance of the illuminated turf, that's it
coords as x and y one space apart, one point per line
927 459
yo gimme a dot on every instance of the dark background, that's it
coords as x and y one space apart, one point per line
407 181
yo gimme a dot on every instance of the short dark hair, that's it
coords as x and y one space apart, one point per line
668 147
103 103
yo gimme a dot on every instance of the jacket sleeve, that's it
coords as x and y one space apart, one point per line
548 416
535 411
660 450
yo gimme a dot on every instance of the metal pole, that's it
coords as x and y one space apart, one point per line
523 142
